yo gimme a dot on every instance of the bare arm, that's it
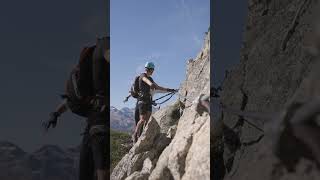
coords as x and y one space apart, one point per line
154 85
52 121
160 88
158 91
146 80
62 107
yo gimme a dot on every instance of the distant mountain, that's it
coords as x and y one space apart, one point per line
122 120
50 162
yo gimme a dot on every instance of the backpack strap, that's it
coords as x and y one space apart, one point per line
84 77
75 85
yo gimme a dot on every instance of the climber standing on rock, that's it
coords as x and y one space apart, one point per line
87 95
146 84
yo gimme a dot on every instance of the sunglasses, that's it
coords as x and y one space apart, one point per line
150 69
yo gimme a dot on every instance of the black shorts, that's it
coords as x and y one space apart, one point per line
144 107
93 155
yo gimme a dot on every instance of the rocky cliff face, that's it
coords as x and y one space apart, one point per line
176 142
275 71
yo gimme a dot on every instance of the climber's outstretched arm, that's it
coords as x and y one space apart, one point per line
52 121
62 107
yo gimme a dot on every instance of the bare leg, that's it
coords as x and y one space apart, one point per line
148 114
145 118
139 126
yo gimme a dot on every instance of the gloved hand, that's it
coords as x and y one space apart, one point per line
52 121
126 99
172 90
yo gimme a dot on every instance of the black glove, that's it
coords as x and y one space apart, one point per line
172 90
52 121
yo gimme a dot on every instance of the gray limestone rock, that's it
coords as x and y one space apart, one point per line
275 72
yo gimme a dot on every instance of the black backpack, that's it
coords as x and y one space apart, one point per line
79 86
134 90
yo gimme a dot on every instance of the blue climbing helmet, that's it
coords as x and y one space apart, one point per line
149 65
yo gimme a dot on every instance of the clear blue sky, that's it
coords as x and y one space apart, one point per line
167 32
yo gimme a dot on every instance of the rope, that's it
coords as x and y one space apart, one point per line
165 96
253 125
155 103
186 98
246 114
